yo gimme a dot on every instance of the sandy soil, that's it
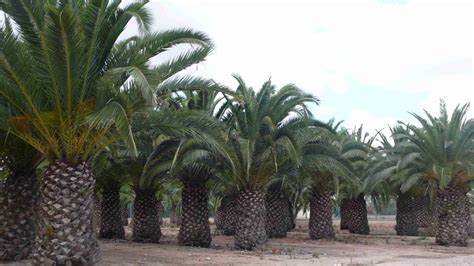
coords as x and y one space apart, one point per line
381 247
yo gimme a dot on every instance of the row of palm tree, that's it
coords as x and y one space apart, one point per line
86 115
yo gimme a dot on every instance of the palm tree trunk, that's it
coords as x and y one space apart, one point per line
65 233
320 216
344 212
124 213
226 216
453 217
145 226
276 214
194 229
357 216
111 214
17 232
423 211
250 227
406 216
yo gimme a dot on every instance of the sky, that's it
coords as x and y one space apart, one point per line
369 62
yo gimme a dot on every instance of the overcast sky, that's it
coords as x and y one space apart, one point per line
369 62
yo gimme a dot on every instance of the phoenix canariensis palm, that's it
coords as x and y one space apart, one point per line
110 173
390 169
261 126
356 147
446 144
194 163
50 67
18 192
324 165
198 163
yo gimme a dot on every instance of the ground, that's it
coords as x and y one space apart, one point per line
381 247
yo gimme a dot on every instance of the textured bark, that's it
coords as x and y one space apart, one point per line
194 229
276 214
226 216
344 212
424 212
145 226
111 214
175 215
65 234
320 216
406 216
357 216
453 217
124 214
250 227
17 232
470 224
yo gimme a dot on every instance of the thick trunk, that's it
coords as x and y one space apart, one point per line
357 216
111 215
145 226
406 216
194 229
320 216
175 215
250 227
344 212
226 216
424 212
276 214
17 232
124 214
65 233
453 217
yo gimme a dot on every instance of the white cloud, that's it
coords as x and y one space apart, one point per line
371 122
323 46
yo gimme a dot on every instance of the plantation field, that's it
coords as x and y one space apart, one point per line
381 247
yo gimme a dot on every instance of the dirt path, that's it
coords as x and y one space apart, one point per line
295 250
381 247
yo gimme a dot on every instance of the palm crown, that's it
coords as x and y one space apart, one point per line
261 127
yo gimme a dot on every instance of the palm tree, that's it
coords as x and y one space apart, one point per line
50 71
356 147
18 192
227 213
316 180
445 145
277 211
425 211
198 163
194 163
109 171
260 130
405 190
324 164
